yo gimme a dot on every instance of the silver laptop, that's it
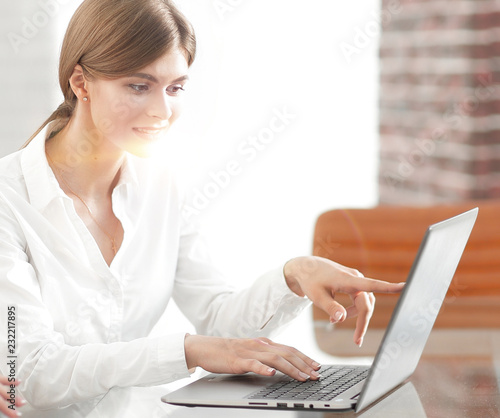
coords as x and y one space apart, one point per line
344 387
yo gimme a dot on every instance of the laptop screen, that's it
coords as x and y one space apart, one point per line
418 305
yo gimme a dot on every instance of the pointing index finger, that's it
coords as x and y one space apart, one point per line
364 284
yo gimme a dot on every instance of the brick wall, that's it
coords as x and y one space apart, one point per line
439 101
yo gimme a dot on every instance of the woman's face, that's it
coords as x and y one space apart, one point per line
134 112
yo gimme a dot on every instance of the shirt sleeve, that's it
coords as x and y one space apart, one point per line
55 374
216 308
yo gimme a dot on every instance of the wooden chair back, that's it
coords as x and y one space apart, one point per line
382 243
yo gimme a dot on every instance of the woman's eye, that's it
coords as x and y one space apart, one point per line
139 88
175 89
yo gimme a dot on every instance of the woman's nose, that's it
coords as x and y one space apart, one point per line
161 108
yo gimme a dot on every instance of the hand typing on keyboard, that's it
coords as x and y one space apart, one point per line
317 278
242 355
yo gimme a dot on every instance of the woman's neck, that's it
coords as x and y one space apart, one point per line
89 163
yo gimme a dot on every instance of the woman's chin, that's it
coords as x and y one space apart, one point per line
145 151
145 147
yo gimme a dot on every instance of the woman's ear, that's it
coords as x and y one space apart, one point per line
78 83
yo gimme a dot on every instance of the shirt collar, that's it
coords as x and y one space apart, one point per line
41 183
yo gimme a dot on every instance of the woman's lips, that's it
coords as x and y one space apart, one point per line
150 133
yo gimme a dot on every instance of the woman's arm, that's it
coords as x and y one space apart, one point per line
216 308
318 278
237 321
53 372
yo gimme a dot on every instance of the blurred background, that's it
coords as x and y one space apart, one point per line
293 110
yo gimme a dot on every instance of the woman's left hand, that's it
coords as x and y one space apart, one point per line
321 279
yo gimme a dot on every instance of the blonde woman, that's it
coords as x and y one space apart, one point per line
93 244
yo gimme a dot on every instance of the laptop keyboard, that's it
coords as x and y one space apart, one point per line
334 381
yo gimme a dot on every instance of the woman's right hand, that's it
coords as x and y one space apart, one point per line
5 387
258 355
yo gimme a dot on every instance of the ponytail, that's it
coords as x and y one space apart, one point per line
60 118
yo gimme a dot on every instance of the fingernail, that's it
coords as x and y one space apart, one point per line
338 316
271 370
360 342
315 374
304 376
316 365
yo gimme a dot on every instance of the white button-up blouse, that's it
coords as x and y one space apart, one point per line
82 326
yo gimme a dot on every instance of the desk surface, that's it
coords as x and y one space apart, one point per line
452 385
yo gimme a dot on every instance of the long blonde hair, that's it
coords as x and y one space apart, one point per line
115 38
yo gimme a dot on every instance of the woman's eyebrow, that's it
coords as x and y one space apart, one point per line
182 78
155 80
145 76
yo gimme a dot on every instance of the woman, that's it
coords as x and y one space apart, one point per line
93 243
